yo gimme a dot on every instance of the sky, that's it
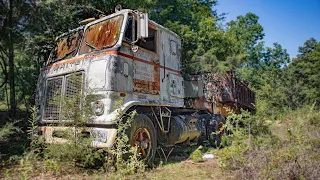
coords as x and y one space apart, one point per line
288 22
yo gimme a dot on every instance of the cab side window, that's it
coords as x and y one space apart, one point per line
128 32
148 43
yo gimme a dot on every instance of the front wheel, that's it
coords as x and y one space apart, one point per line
142 135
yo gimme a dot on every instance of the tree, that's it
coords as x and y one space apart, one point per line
12 18
304 72
248 34
247 30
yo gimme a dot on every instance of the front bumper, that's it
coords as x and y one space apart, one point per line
100 137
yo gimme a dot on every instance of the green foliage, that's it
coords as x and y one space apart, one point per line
305 79
246 30
290 150
196 155
126 158
267 78
7 130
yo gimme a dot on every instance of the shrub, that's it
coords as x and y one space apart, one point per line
196 155
76 153
8 129
289 151
122 148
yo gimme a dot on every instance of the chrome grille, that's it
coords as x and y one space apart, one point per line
73 85
62 88
53 94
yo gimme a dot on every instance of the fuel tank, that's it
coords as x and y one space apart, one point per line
183 128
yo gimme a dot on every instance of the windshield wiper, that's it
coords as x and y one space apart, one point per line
92 46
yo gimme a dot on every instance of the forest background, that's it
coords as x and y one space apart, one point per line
28 30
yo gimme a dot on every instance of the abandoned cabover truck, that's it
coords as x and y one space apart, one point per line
124 57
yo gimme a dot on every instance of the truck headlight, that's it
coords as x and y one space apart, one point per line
98 108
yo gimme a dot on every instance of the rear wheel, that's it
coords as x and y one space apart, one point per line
142 135
220 131
214 130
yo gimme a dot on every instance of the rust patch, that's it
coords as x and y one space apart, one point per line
225 90
102 35
67 46
222 109
146 78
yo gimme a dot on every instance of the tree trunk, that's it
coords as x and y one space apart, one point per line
11 62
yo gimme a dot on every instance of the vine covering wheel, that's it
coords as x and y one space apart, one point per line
142 135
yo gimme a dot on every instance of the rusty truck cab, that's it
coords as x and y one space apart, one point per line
122 58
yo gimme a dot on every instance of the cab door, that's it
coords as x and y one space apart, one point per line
171 79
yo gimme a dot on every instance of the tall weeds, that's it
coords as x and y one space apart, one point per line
288 148
76 154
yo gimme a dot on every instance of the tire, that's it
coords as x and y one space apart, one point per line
220 121
212 130
203 126
213 123
142 135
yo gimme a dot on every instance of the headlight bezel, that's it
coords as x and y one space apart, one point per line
98 108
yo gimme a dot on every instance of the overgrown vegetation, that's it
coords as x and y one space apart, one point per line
7 130
73 153
287 148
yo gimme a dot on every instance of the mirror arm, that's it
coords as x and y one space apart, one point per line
142 29
135 38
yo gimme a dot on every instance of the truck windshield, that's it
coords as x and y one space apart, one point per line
104 34
66 46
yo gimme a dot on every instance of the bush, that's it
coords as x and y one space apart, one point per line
122 149
291 149
7 130
76 153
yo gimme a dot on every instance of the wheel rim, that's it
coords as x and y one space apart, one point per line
142 140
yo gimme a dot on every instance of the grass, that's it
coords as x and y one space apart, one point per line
187 170
179 166
285 148
291 149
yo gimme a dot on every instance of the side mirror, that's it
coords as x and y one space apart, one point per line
142 30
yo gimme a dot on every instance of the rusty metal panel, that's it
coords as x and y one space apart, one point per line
215 88
104 34
224 109
221 90
146 78
199 103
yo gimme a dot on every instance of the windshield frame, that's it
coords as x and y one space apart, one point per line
64 35
124 12
121 31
